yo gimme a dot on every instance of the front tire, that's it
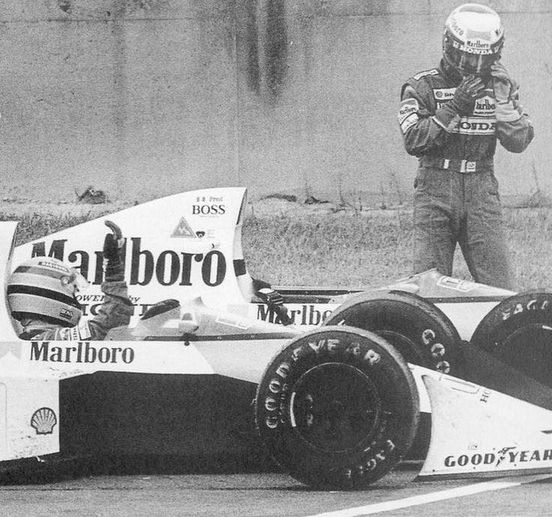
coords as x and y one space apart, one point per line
337 408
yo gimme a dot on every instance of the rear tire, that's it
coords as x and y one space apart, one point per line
337 408
518 331
419 330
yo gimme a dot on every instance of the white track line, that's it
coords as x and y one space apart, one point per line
432 497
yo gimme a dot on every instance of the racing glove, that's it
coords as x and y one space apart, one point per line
112 254
506 92
273 299
462 104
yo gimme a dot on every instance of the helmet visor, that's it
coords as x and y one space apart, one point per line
74 282
476 64
468 63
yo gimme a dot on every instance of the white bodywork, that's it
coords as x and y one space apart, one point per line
477 431
30 371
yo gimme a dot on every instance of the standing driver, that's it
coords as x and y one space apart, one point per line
42 296
451 118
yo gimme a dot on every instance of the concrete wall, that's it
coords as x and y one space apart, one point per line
145 97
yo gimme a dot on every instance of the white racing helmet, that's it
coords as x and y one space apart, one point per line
45 288
473 39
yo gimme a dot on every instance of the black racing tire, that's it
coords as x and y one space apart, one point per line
337 408
422 333
518 331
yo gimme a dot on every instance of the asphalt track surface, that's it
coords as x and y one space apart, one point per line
274 494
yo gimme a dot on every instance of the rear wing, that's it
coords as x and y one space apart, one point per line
183 246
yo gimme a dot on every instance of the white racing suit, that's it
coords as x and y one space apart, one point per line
115 311
456 193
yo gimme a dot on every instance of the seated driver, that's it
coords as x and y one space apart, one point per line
42 296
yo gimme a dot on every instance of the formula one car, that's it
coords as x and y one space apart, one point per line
340 395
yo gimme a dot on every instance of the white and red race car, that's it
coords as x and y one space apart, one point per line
340 395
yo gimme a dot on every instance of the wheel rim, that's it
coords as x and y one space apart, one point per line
529 350
335 408
405 346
